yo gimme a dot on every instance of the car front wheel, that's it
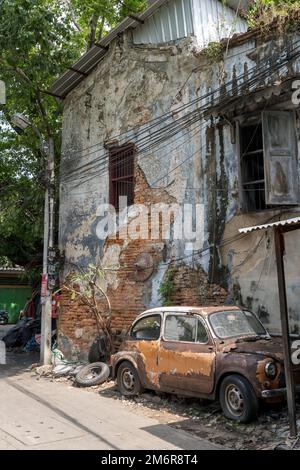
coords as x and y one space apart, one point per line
128 380
238 400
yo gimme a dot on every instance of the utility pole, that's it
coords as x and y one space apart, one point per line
46 325
20 123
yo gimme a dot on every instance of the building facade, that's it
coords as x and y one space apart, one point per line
172 114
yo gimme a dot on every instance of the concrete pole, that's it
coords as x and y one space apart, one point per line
46 320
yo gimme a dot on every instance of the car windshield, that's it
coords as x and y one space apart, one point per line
232 323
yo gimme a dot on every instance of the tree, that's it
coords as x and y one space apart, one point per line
96 17
39 39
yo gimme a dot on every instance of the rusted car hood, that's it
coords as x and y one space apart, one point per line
267 348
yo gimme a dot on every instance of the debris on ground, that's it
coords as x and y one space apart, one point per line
198 417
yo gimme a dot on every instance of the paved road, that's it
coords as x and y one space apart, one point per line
43 414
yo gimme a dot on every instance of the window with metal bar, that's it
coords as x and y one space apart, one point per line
121 175
252 167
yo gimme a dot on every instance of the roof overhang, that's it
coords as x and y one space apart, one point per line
88 61
287 224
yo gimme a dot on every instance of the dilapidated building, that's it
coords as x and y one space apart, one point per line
181 106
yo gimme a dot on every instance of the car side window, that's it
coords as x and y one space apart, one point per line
184 328
201 333
147 328
180 328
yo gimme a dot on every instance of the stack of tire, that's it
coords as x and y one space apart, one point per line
97 371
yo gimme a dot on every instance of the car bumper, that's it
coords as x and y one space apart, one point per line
277 392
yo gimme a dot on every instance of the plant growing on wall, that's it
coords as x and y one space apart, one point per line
167 288
263 14
214 51
85 285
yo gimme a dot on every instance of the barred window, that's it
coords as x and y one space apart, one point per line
121 174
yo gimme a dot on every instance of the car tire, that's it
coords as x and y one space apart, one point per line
238 400
128 380
92 374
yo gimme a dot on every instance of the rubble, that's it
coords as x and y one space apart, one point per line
199 417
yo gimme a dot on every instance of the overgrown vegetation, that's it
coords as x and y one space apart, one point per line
264 14
167 288
85 286
214 51
39 39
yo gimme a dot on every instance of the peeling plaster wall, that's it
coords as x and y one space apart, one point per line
130 87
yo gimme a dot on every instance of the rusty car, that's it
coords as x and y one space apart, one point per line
216 353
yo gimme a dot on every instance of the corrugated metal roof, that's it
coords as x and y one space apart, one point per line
172 21
72 77
66 82
280 223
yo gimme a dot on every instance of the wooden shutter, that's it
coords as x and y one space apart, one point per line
280 158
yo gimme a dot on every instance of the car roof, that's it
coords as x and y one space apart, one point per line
206 310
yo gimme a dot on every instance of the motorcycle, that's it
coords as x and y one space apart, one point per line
3 317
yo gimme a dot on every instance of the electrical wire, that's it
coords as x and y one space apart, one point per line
186 120
158 120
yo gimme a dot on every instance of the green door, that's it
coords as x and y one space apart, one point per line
13 299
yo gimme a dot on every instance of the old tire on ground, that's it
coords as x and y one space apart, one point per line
92 374
238 400
128 380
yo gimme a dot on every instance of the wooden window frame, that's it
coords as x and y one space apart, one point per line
245 121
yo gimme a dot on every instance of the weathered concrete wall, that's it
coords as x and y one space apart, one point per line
132 86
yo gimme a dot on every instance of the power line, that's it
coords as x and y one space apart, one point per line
156 121
185 121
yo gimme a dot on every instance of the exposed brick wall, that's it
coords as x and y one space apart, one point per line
193 288
77 327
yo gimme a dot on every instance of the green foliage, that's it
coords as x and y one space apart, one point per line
94 18
39 39
167 288
214 51
285 14
21 200
88 281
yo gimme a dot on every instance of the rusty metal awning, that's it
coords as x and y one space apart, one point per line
280 228
280 223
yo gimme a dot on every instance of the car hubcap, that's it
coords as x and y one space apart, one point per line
128 380
234 399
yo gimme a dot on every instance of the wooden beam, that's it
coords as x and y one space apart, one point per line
136 18
105 48
78 71
288 368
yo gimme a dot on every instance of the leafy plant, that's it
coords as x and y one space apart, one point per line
284 14
167 288
39 39
85 286
214 51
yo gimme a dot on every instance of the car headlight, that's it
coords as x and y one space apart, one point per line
271 370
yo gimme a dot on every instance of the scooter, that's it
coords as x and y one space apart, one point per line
3 317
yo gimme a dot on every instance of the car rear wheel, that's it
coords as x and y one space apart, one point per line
238 400
128 380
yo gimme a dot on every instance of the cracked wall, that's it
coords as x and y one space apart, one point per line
130 87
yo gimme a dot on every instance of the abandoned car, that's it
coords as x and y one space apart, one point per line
214 353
